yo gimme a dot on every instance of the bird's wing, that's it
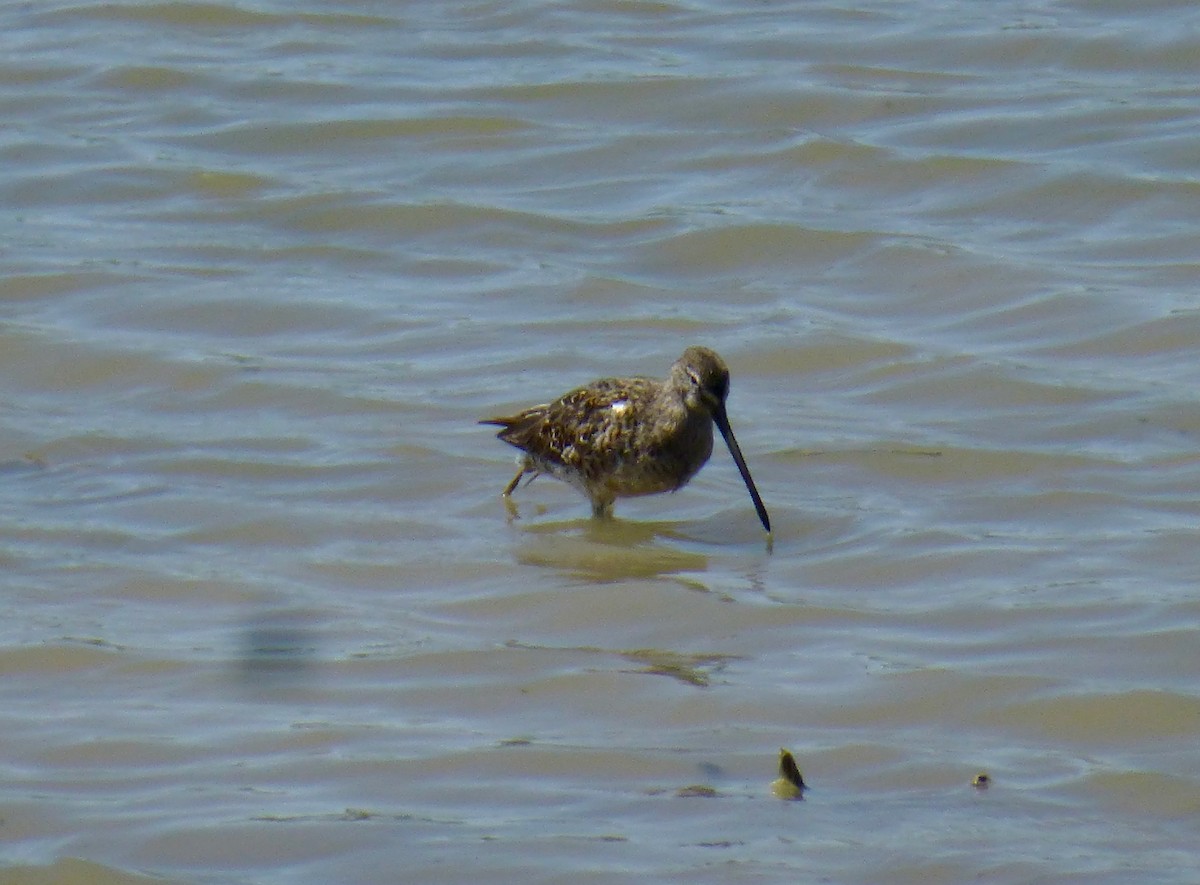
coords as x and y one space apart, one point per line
586 427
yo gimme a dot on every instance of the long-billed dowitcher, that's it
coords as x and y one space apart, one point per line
624 437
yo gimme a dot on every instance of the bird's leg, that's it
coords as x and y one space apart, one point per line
511 487
602 508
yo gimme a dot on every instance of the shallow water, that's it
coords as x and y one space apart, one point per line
265 617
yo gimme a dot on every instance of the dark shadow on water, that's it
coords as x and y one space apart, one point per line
278 651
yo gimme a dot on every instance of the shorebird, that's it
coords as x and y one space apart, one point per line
624 437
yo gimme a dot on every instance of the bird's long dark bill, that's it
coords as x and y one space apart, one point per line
722 422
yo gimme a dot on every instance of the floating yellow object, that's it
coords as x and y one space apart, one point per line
981 781
790 783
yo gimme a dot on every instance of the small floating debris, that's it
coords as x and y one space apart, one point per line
790 783
696 791
981 781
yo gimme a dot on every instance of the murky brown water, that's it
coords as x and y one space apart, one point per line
264 618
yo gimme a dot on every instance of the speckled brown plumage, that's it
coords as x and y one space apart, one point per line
623 437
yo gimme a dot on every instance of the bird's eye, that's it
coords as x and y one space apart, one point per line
695 376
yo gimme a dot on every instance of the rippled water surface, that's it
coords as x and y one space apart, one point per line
265 617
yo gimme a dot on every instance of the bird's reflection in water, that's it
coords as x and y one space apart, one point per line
609 550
